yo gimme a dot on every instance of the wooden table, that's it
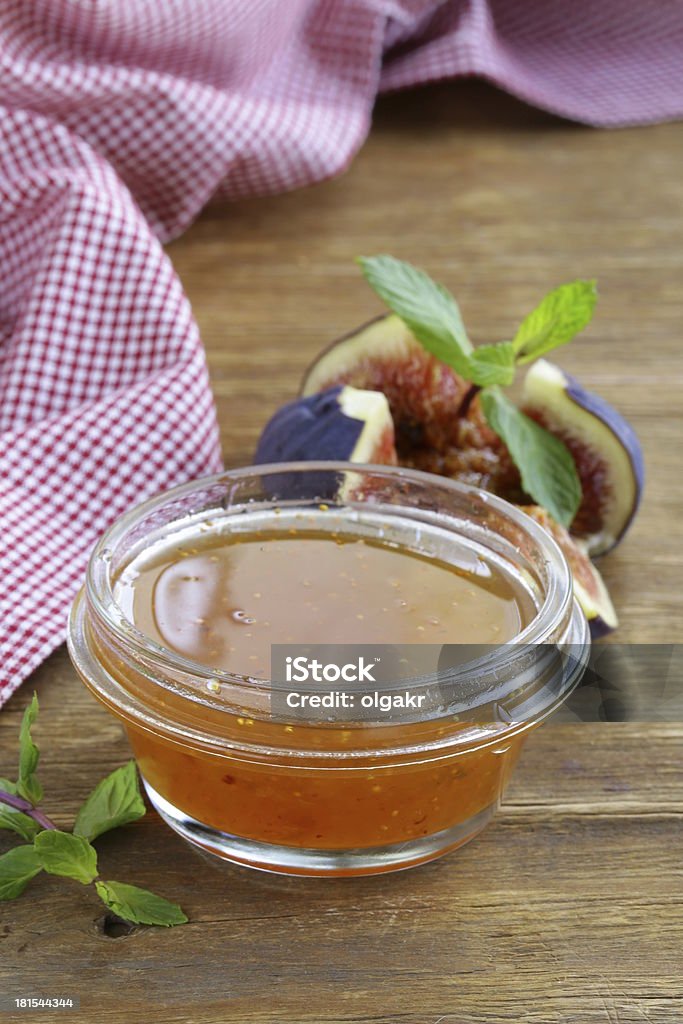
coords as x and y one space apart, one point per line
569 908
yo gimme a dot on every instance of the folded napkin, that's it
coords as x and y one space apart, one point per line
119 119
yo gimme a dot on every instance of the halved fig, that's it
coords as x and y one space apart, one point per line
604 446
589 587
440 428
424 395
341 423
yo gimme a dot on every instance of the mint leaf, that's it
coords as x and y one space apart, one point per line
17 867
13 820
492 364
60 853
28 785
115 801
547 469
139 905
428 309
17 821
557 318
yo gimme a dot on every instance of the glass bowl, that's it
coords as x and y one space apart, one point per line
259 788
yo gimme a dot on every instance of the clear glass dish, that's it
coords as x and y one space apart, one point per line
331 798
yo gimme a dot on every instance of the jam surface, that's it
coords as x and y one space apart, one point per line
222 601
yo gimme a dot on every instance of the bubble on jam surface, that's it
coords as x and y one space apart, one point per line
241 617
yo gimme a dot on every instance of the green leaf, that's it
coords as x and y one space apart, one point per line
115 801
139 905
60 853
28 785
547 469
17 867
17 821
557 318
13 820
428 309
492 364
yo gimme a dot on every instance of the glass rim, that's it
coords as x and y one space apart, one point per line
557 598
558 621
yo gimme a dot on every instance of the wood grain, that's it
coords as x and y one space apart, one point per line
569 908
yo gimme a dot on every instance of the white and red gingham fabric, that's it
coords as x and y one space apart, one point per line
119 119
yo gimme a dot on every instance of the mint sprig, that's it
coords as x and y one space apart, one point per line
115 801
15 820
61 853
428 309
130 903
28 785
17 867
492 364
556 320
545 464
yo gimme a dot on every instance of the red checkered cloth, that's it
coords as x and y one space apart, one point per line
119 119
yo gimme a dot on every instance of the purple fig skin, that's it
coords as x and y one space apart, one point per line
620 426
599 628
309 429
302 431
341 424
585 420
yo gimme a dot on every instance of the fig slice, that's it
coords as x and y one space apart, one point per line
589 587
424 394
604 446
342 423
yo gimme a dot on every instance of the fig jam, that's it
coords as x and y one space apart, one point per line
222 600
186 594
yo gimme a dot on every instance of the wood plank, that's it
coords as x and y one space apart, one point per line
567 910
530 920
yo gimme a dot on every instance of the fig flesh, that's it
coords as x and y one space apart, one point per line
604 446
424 395
589 587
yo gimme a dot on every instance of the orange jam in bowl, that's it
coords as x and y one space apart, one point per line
188 595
